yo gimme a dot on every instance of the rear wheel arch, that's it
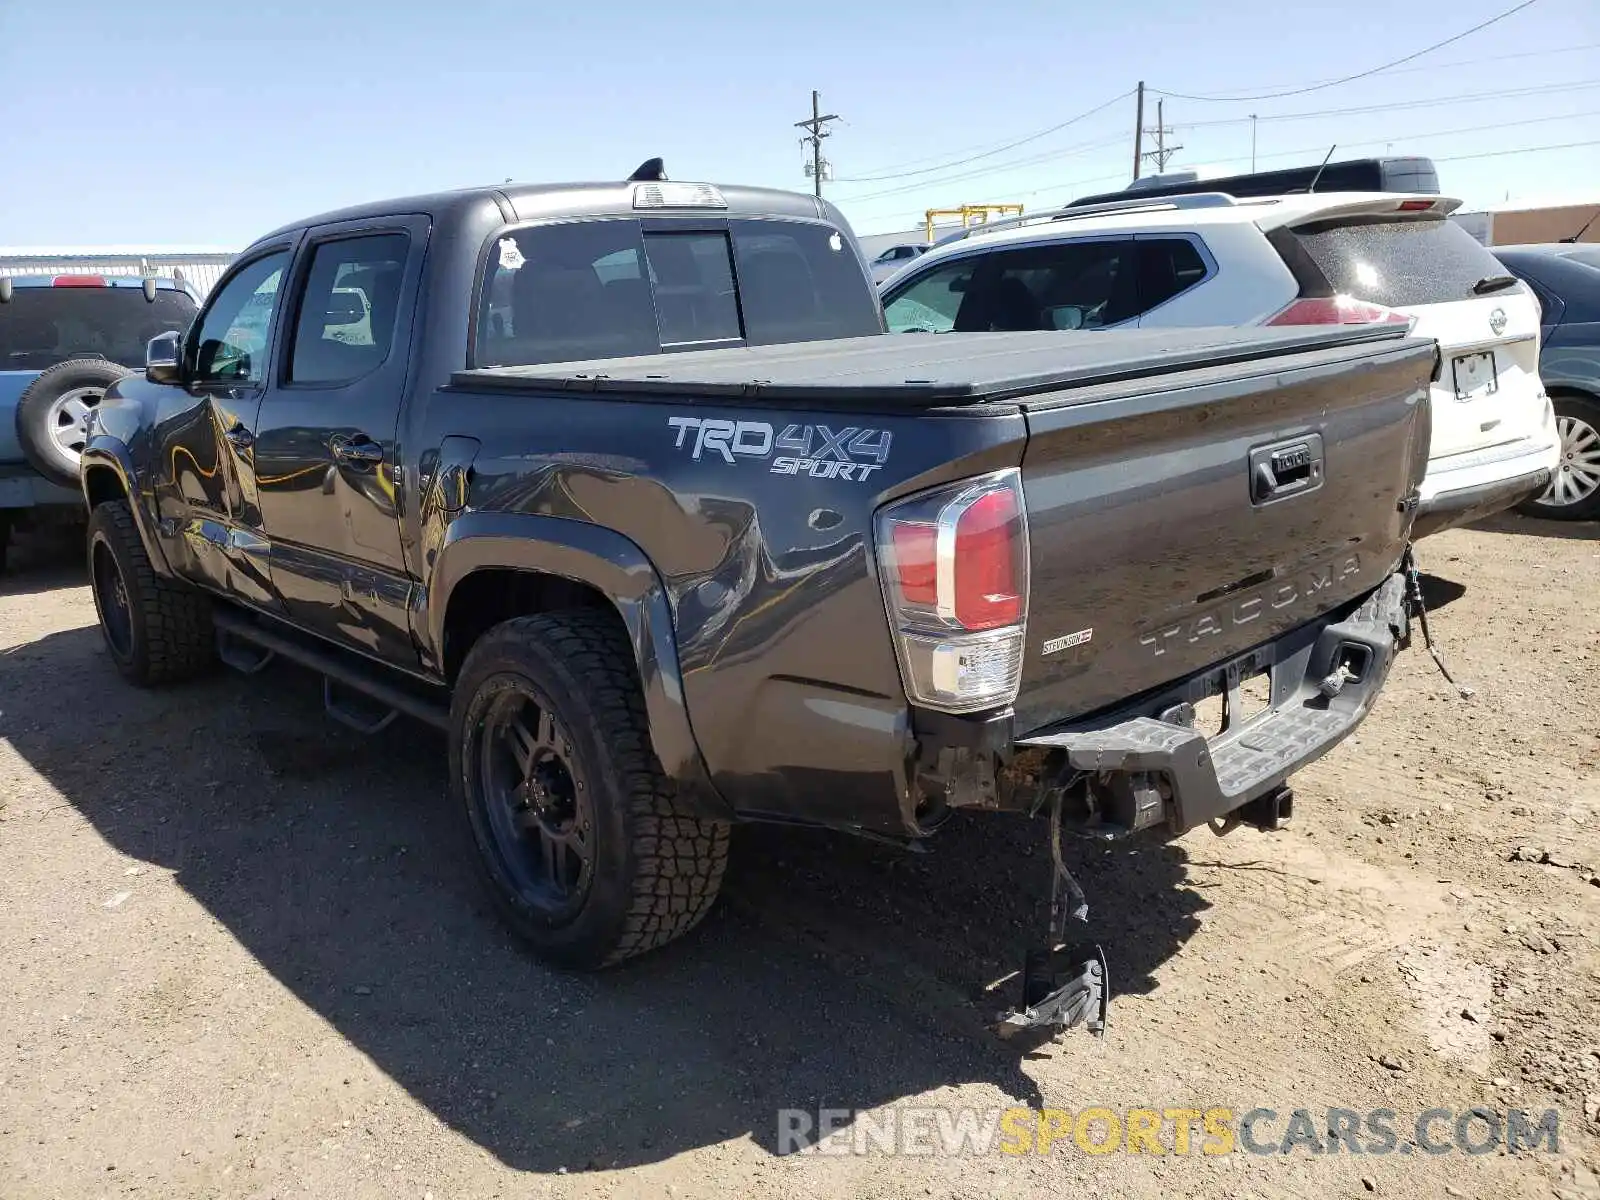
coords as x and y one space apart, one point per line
490 595
495 567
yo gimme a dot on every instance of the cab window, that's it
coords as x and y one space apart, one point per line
234 332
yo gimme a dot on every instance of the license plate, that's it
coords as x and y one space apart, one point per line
1474 375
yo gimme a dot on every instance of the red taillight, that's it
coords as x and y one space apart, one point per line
1415 206
988 573
78 281
916 549
955 575
1337 310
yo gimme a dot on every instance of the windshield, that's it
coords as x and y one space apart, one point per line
612 288
43 326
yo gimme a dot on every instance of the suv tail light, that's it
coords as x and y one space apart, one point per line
954 564
1338 310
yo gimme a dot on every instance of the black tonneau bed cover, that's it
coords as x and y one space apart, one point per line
929 369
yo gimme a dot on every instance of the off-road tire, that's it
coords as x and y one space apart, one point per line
171 636
35 415
655 871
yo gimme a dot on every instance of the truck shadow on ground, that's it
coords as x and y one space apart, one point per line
1515 522
834 973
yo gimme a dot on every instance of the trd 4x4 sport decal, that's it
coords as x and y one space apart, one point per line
819 451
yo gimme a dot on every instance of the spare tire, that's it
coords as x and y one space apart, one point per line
53 414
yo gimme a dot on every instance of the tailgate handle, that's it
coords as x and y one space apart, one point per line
1288 468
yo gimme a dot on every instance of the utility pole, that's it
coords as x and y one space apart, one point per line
1162 152
1138 131
1252 143
816 130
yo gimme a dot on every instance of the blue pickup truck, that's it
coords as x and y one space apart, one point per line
63 340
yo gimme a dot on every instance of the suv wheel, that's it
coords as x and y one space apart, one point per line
1574 491
157 630
571 815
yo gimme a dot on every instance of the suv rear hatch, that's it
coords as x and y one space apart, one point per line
1178 520
75 316
1403 253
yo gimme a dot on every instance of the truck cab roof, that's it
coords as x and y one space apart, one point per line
522 202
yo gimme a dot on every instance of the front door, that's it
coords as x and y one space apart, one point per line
203 473
326 450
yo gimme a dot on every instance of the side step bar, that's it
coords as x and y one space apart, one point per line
337 671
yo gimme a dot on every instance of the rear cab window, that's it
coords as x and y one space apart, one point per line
1398 262
614 287
43 326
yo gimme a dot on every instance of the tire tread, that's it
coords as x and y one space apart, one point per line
679 860
180 640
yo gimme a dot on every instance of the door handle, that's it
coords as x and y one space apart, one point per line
361 452
240 438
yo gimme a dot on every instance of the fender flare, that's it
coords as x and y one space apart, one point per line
618 569
106 452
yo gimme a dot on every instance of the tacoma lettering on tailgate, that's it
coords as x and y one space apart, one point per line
1238 612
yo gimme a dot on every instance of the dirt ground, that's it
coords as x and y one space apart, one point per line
242 952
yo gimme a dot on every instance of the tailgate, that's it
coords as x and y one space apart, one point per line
1175 524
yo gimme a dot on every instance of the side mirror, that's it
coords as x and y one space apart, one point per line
149 286
1065 316
163 358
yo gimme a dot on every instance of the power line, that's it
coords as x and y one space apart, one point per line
993 168
1542 89
1461 62
890 168
1022 141
1068 185
1410 137
1520 150
1316 87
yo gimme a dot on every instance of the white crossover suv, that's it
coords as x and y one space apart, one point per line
1301 259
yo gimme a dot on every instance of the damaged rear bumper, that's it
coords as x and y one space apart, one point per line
1145 765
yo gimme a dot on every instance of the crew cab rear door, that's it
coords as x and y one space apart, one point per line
326 445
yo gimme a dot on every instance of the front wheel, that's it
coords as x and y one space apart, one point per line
156 630
580 842
1574 491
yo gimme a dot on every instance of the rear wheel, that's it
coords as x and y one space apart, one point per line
581 845
1574 491
156 630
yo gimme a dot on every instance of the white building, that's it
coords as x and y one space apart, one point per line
200 267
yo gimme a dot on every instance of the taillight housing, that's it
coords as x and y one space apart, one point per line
1338 310
954 565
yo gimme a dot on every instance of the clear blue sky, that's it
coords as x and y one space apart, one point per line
207 123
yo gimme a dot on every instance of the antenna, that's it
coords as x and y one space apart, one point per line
1585 229
1313 185
651 170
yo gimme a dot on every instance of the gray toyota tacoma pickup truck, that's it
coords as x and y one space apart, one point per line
624 487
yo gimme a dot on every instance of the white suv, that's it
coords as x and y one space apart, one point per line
1300 259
